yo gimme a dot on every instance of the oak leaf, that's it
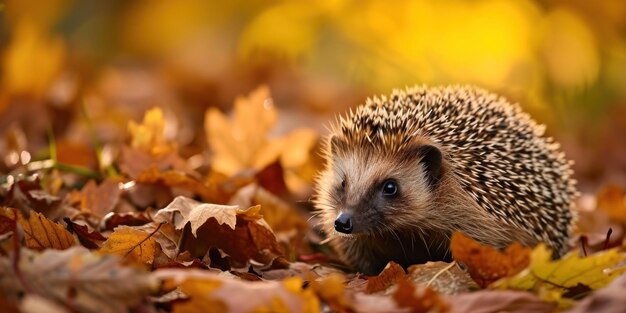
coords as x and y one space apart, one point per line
135 246
486 264
183 210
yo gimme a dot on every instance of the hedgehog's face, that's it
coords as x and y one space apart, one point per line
366 191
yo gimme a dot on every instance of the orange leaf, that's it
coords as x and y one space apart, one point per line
425 301
134 245
486 264
175 179
40 232
389 276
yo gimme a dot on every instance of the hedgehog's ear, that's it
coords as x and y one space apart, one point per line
431 159
337 145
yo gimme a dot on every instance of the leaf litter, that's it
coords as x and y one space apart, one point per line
167 226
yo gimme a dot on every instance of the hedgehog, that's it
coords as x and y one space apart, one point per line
404 172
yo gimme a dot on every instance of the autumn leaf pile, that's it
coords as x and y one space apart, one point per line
148 230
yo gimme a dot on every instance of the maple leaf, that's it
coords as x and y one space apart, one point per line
486 264
243 142
553 279
133 245
209 292
39 232
82 281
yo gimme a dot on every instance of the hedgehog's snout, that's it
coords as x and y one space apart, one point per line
343 223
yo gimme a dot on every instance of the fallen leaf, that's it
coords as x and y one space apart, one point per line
98 199
134 162
39 232
486 264
149 136
209 292
113 220
89 239
445 278
387 278
135 246
242 234
555 278
183 210
423 300
608 299
242 142
27 195
175 179
82 281
490 301
332 291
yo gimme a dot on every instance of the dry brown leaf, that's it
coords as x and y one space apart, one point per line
98 199
209 292
133 162
242 234
183 210
486 264
83 281
445 278
387 278
135 246
89 239
39 232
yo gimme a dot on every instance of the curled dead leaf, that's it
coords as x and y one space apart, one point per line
486 264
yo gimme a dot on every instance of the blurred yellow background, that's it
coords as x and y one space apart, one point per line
564 61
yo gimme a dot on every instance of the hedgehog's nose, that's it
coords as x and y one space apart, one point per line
343 223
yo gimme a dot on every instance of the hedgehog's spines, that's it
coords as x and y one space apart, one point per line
496 151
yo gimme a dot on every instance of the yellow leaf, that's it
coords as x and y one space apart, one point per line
552 278
41 233
200 301
134 245
150 134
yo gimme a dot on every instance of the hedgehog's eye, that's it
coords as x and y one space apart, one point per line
390 188
343 184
